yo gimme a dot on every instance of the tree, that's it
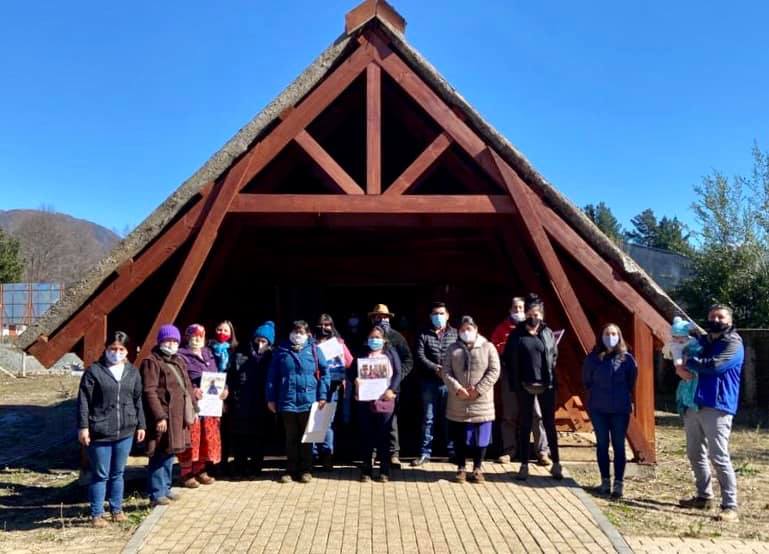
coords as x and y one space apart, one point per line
11 265
604 219
667 234
732 263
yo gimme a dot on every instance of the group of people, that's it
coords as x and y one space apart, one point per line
467 382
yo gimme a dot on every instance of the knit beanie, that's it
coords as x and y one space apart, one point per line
169 332
266 330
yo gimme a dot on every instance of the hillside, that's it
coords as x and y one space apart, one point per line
56 247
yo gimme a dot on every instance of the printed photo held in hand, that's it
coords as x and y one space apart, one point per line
373 378
212 386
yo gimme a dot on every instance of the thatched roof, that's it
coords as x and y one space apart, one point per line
79 293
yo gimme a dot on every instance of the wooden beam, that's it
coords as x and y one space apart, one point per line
373 129
370 9
643 415
383 204
423 95
130 276
418 167
338 175
94 340
535 230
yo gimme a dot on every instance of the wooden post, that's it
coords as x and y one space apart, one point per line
643 415
373 129
94 339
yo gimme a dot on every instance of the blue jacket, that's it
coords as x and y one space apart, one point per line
610 382
292 382
718 367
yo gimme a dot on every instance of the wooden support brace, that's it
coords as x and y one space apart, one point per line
94 340
373 129
418 167
338 175
643 415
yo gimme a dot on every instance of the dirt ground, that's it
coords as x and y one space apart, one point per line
42 506
650 506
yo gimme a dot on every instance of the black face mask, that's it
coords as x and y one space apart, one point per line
326 332
533 321
716 326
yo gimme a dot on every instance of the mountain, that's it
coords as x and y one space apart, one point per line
56 247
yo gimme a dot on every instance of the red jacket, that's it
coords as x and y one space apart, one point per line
501 332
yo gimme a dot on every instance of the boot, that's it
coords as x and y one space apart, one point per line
605 487
618 489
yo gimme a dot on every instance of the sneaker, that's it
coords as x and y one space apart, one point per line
729 515
556 471
365 478
477 476
618 489
99 522
523 472
305 478
173 496
696 503
461 476
422 460
283 479
161 501
384 478
191 483
119 517
395 461
205 479
504 459
543 459
605 487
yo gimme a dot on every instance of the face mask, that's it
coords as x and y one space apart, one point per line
196 342
385 324
326 332
716 326
468 336
533 321
518 317
375 343
169 348
439 320
610 341
297 339
222 336
115 358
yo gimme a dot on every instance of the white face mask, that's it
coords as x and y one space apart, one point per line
518 317
116 357
468 336
297 339
169 348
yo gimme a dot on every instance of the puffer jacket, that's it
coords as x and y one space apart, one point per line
610 382
296 379
477 366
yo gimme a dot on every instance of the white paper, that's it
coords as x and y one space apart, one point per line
212 384
371 389
319 422
333 351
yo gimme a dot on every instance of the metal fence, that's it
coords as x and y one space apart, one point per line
21 304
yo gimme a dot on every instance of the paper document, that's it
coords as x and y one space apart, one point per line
212 385
333 351
319 422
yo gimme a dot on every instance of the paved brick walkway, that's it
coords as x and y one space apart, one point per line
420 510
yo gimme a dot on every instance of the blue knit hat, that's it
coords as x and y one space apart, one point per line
266 330
680 327
169 332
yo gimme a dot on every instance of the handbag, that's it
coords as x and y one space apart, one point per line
189 409
380 406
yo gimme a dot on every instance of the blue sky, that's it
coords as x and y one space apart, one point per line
106 107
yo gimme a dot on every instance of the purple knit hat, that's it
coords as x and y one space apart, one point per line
169 332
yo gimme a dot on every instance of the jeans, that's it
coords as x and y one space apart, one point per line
526 411
434 417
327 446
159 471
375 435
108 460
707 436
610 428
298 453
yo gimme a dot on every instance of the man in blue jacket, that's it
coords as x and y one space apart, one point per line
718 368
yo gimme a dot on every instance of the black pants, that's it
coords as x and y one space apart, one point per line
395 442
525 413
375 434
298 454
461 450
248 446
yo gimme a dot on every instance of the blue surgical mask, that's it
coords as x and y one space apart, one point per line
610 341
375 343
439 320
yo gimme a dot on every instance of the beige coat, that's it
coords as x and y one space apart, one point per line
478 366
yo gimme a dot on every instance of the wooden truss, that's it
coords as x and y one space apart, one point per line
542 227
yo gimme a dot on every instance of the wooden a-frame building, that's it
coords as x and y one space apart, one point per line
369 179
